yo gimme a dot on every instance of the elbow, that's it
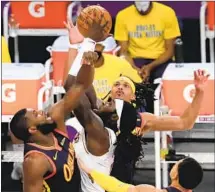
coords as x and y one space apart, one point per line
186 125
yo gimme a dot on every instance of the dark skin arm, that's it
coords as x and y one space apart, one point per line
90 92
97 135
84 79
94 128
35 166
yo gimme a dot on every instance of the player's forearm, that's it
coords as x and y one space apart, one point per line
83 81
91 94
191 113
184 122
109 183
85 76
69 82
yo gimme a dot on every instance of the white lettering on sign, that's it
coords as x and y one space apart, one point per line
37 9
9 92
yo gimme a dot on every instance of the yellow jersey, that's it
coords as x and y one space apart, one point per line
4 51
146 33
112 68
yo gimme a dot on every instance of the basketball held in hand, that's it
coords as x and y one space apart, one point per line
94 22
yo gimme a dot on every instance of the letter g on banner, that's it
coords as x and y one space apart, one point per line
37 9
9 92
189 93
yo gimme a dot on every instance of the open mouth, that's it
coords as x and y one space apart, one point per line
119 93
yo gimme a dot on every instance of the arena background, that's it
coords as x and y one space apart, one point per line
33 49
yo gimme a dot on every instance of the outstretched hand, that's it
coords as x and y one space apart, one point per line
200 79
74 35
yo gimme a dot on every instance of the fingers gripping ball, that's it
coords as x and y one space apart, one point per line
94 22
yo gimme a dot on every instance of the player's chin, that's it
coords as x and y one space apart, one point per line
122 97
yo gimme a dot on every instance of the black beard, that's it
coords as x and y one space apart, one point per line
47 128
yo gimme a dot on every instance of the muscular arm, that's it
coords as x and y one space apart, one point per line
90 92
91 95
184 122
34 166
89 120
70 80
61 109
96 134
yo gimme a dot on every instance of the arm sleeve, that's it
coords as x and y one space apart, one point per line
171 26
108 183
121 32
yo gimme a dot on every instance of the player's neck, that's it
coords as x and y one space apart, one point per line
176 185
45 140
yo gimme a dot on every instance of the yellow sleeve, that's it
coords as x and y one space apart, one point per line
130 72
120 33
171 26
5 52
108 183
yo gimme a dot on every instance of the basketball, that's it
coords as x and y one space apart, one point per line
94 22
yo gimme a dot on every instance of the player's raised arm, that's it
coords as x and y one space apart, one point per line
188 118
83 81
